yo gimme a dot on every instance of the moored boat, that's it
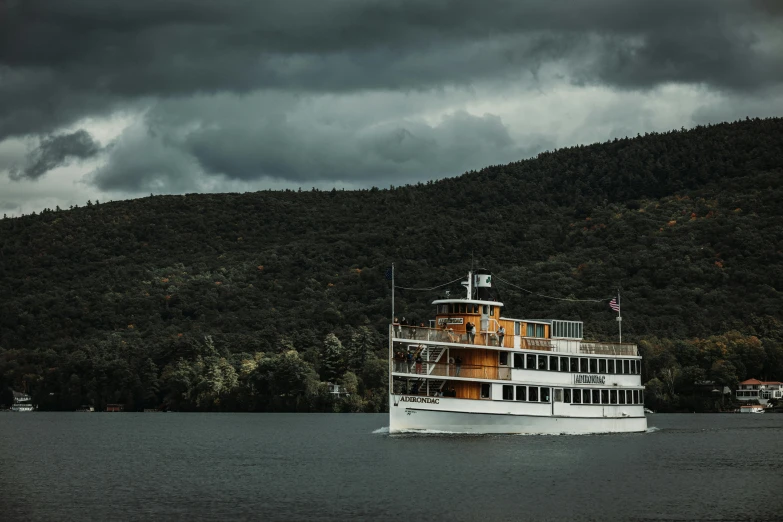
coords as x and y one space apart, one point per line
475 371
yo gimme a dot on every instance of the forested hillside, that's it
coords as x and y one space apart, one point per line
229 301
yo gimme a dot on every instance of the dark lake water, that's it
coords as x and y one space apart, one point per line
155 466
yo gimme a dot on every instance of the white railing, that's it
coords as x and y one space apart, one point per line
608 348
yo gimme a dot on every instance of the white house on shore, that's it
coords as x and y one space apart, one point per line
761 391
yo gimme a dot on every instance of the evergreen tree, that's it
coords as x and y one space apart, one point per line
332 365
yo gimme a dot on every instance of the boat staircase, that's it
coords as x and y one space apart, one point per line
432 357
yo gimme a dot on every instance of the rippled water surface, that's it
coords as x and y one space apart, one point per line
155 466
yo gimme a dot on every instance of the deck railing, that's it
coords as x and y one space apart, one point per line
468 371
487 338
608 348
491 338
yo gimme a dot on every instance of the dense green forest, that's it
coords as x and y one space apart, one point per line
252 302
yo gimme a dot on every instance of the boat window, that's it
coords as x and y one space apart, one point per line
475 308
585 396
491 310
567 395
531 361
503 358
621 396
596 396
521 393
564 364
519 361
532 394
558 395
553 363
539 330
612 396
636 396
574 365
593 365
604 396
619 366
485 309
485 390
462 308
601 365
508 392
530 330
583 365
545 395
641 396
577 394
542 362
611 365
516 329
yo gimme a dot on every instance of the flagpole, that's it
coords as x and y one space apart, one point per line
619 316
392 317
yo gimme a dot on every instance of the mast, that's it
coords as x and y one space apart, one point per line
392 280
619 316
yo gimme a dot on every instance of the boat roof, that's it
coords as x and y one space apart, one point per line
471 301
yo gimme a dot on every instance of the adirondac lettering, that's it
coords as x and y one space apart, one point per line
589 379
428 400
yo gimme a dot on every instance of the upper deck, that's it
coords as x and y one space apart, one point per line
449 336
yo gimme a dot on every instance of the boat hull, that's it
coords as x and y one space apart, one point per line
443 416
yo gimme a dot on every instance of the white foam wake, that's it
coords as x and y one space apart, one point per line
383 430
652 429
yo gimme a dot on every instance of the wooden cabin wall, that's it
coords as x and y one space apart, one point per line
482 358
467 390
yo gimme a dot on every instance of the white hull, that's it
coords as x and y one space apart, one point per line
449 415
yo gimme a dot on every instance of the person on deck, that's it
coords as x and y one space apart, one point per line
501 335
470 330
458 364
419 360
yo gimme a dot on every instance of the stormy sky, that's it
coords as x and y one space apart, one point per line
105 99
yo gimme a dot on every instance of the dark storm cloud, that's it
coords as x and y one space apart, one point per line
60 61
296 143
56 151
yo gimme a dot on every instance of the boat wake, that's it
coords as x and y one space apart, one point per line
381 431
652 429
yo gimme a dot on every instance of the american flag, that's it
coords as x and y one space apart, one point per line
614 305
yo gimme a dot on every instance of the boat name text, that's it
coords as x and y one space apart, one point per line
428 400
450 320
589 379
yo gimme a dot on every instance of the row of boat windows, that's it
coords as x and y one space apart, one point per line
571 329
568 395
531 330
554 363
466 308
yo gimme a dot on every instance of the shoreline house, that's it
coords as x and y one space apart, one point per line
22 402
761 391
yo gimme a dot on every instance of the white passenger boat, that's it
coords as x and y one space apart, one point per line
541 377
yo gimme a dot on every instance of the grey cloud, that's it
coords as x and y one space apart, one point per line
143 161
281 138
60 61
8 205
56 151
